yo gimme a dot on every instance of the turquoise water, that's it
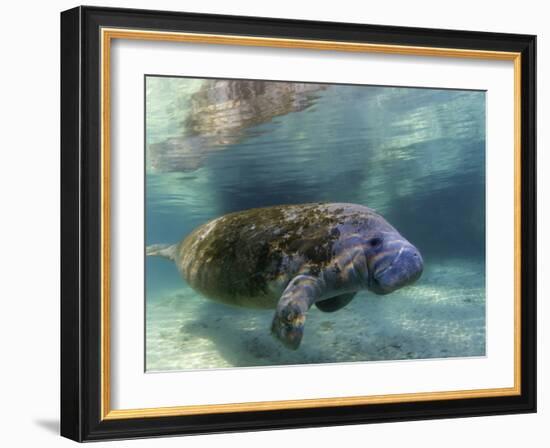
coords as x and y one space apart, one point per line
416 156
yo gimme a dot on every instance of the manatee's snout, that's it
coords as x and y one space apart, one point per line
396 266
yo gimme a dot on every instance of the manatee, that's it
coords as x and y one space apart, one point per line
291 257
222 112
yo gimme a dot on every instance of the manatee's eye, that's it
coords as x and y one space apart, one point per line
375 242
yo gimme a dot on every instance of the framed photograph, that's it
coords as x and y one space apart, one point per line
273 223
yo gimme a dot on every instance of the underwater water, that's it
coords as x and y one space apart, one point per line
416 156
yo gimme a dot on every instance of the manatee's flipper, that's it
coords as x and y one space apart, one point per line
162 250
335 303
290 315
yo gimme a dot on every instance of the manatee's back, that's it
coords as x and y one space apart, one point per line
235 259
247 258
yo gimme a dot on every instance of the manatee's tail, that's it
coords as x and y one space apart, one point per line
162 250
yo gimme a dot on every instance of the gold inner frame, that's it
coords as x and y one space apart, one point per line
107 35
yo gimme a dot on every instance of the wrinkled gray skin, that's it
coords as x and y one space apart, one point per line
293 256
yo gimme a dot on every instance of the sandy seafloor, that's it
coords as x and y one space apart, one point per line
441 316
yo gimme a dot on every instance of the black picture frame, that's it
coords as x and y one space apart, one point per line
81 413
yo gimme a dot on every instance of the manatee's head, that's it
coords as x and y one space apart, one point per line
392 262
